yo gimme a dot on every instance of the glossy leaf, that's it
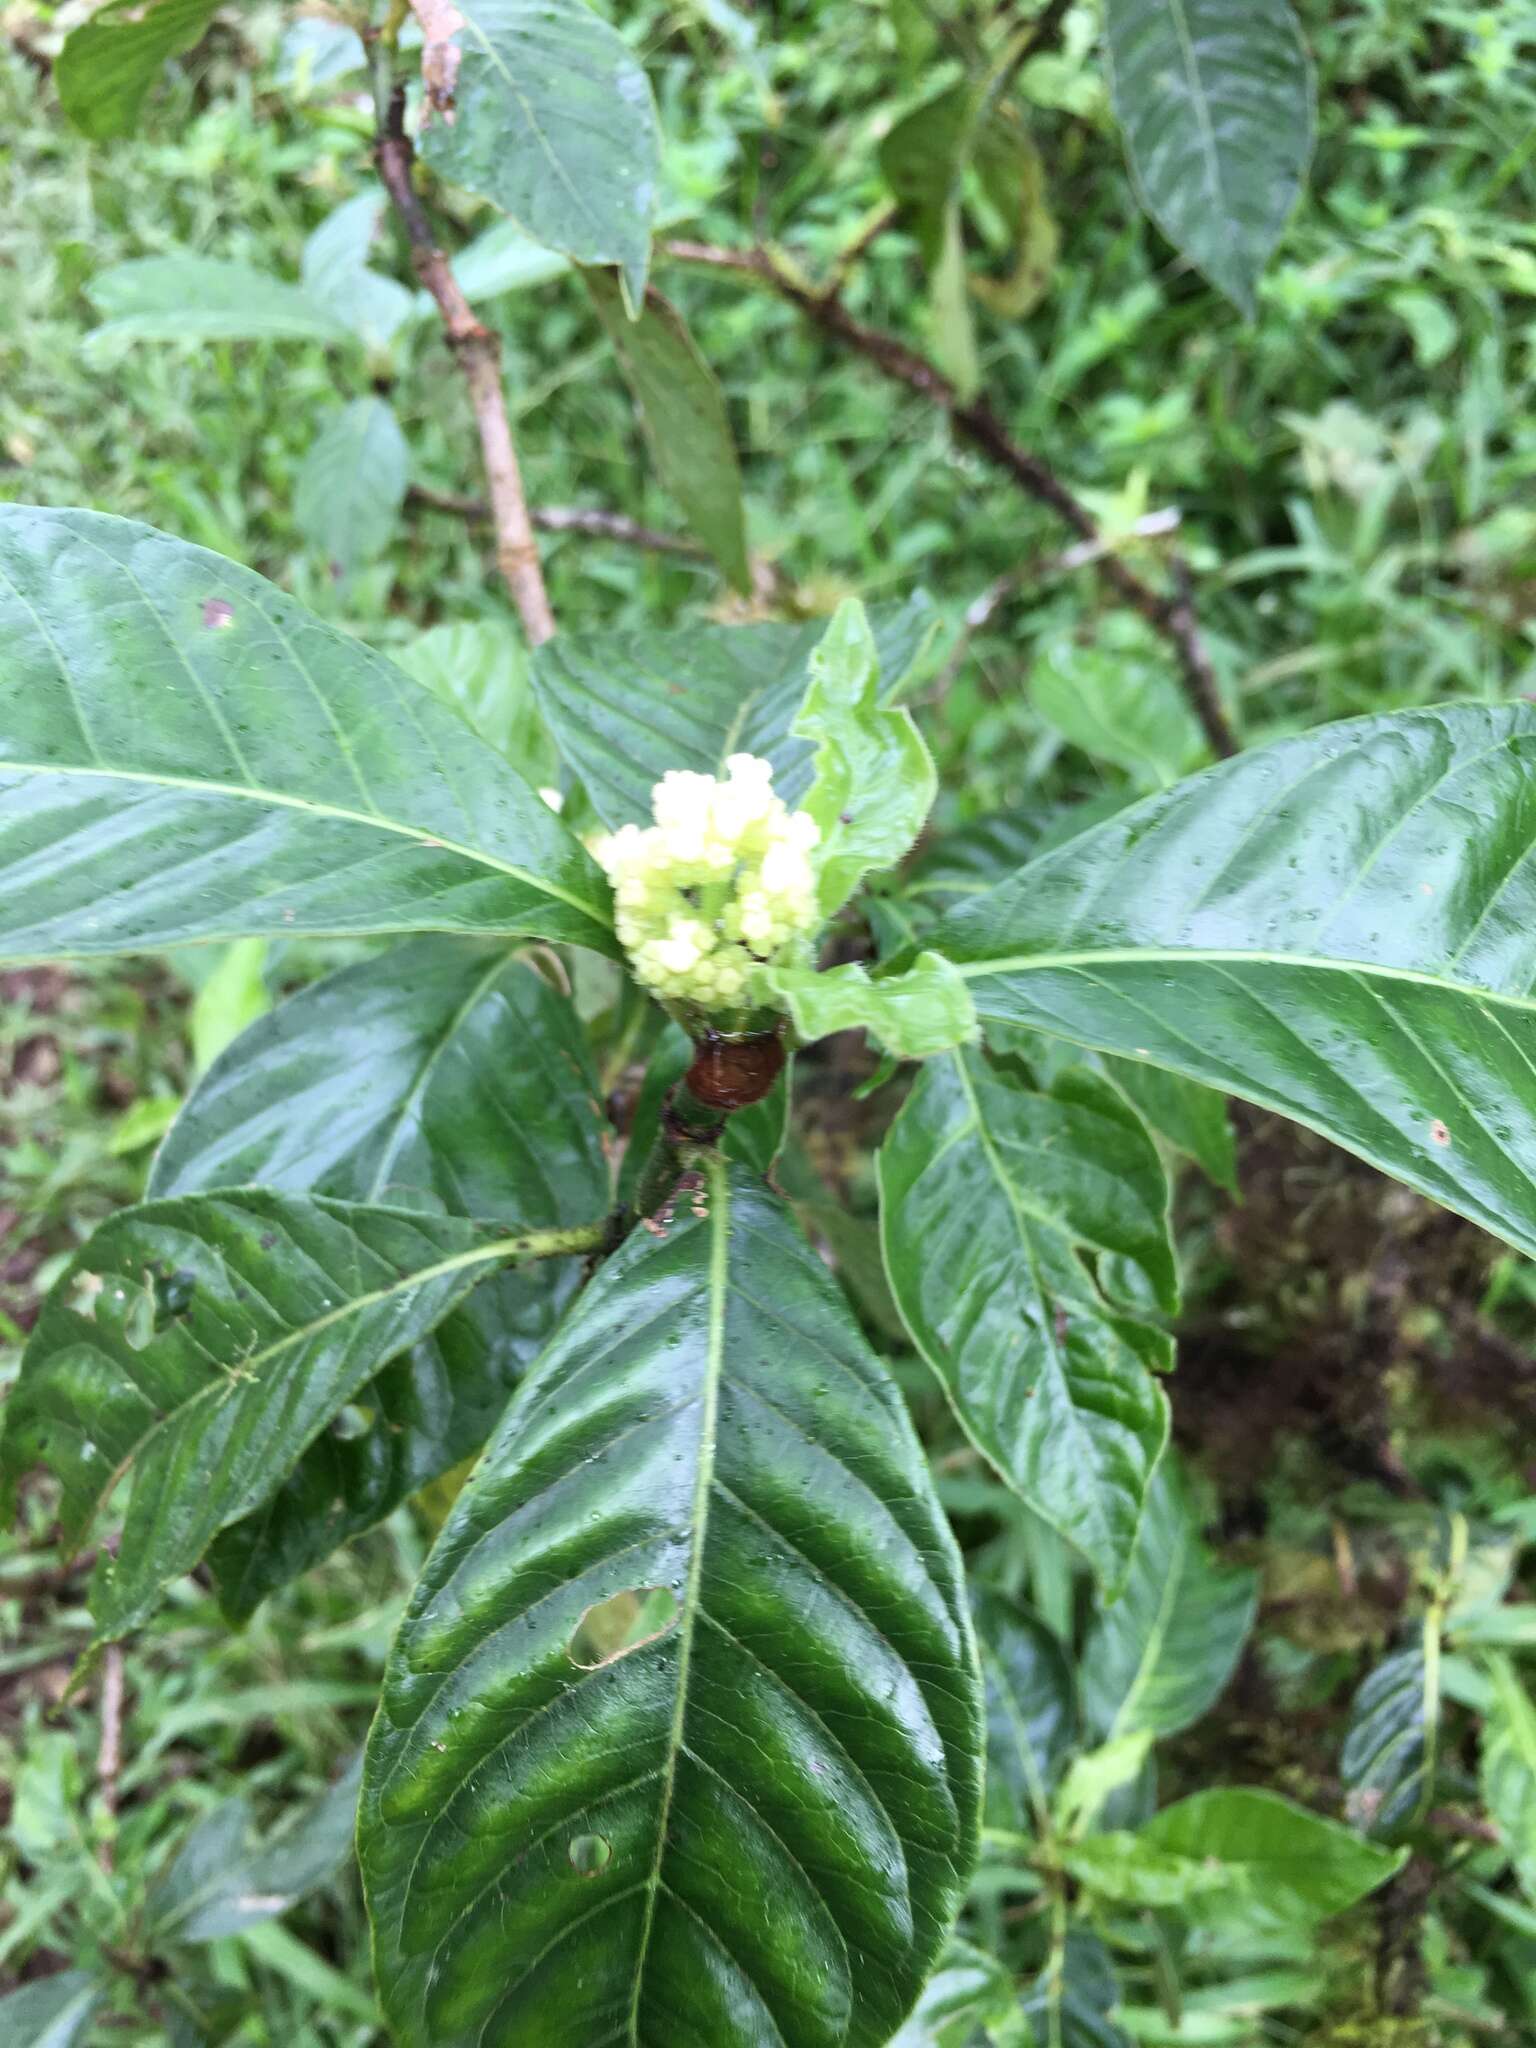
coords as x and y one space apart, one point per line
1193 1119
550 116
1388 1759
199 1345
559 1853
479 667
626 707
351 484
1160 1656
1235 1849
992 1199
1217 103
1340 927
441 1075
204 298
682 410
108 63
187 754
1509 1768
51 2012
1032 1715
872 778
221 1883
913 1015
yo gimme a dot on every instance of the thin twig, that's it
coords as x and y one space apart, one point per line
588 520
109 1757
478 353
1173 616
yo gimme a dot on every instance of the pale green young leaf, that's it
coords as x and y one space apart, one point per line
1509 1768
351 484
1235 1852
204 298
480 668
874 780
913 1015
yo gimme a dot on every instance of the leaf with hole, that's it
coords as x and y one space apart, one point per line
185 753
1340 927
1160 1655
549 116
1217 104
682 410
1025 1235
804 1728
442 1075
197 1346
625 707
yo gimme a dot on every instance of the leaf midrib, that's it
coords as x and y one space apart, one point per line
375 819
719 1229
1113 956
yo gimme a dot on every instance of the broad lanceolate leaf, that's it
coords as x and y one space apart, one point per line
442 1075
993 1198
1509 1768
1161 1654
222 1883
187 754
873 779
1388 1759
626 707
682 410
53 2012
1341 927
1032 1717
351 484
563 1848
203 298
1236 1849
926 1010
199 1345
551 117
1216 100
109 62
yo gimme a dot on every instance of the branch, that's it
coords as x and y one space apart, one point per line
595 524
974 420
478 352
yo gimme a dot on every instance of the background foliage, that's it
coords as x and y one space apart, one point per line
1355 1403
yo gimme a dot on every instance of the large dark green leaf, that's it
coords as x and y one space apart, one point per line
563 1849
187 754
1216 101
993 1198
1162 1653
200 1344
1031 1710
682 410
626 707
551 117
442 1075
1341 927
109 63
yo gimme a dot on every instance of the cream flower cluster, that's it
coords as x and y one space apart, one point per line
721 883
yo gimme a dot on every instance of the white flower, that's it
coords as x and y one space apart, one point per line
721 884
